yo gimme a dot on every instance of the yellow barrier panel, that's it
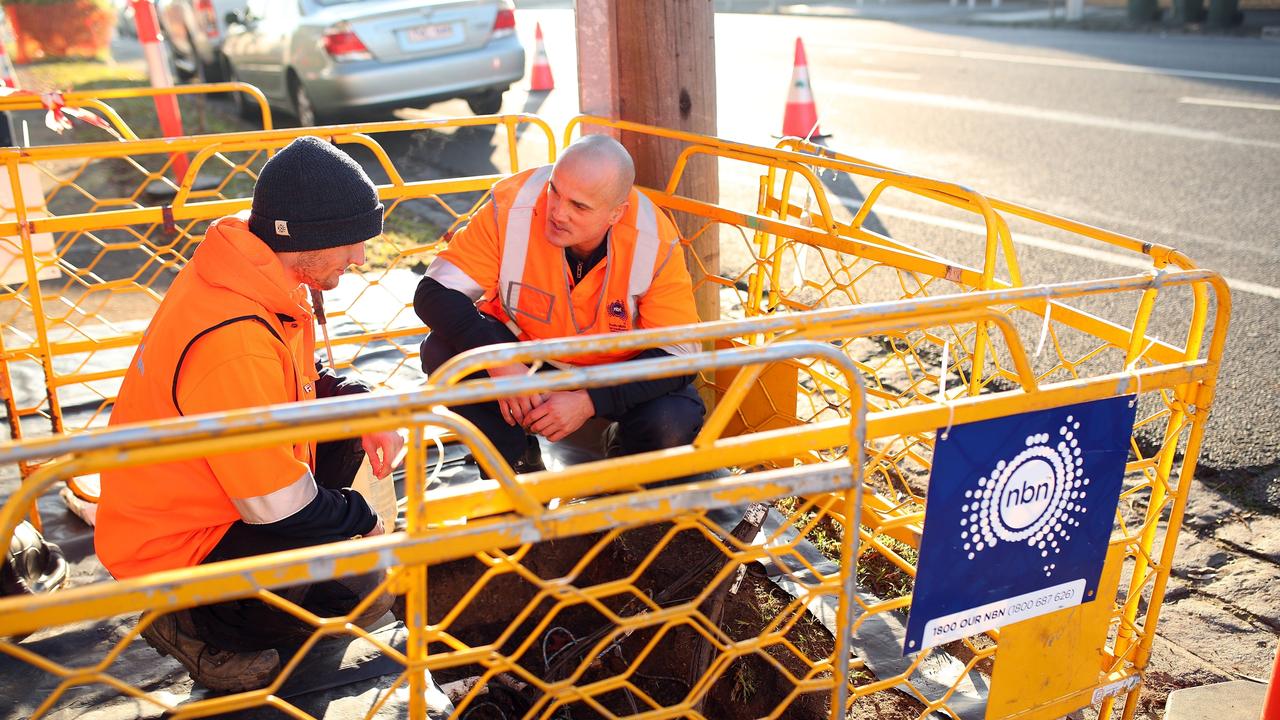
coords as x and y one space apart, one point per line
824 304
247 98
116 249
423 544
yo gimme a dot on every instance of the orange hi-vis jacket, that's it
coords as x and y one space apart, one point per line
232 332
503 261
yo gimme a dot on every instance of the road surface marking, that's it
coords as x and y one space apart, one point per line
886 74
1055 62
1228 103
955 102
1129 261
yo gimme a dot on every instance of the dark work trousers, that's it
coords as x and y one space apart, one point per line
665 421
248 624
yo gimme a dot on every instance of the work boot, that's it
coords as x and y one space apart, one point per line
530 462
173 634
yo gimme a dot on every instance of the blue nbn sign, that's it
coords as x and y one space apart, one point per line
1018 518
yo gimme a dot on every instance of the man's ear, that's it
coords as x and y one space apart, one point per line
618 212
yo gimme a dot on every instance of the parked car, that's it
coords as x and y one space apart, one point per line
322 59
194 31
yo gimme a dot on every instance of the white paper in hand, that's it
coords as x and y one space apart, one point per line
380 493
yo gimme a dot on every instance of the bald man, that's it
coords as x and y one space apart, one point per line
560 251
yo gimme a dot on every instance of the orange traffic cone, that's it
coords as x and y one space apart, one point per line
801 119
541 79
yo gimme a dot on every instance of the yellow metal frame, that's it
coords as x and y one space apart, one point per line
238 152
861 428
426 540
98 100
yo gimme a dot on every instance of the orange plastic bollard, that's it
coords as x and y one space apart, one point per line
144 16
801 118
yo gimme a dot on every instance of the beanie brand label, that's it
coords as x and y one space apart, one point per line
282 228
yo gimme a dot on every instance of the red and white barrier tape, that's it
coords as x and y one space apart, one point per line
58 114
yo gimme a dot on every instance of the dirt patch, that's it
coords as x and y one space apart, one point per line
539 614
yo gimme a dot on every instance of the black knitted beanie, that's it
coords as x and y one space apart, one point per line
312 196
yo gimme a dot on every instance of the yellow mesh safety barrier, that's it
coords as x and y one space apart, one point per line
249 101
113 247
826 366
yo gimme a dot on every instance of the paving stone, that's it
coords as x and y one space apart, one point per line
1251 584
1257 533
1199 558
1235 700
1207 508
1206 629
1176 589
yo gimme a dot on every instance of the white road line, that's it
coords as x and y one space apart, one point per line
1129 261
956 102
1054 62
886 74
1228 103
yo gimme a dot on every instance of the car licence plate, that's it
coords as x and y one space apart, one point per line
429 34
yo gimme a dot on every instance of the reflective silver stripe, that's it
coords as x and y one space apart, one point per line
514 328
682 348
645 258
280 504
452 277
515 242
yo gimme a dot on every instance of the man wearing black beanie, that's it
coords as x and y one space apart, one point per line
236 330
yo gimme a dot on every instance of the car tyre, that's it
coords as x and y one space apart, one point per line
303 109
488 102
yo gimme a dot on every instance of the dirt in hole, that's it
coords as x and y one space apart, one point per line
554 640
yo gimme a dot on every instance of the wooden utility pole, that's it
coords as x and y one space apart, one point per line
653 62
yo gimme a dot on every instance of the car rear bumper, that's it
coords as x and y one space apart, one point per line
371 84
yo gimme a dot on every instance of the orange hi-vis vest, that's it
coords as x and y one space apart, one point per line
232 332
503 261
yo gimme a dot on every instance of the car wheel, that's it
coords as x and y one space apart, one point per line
303 109
488 102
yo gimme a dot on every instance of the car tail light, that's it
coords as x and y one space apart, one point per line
207 16
343 45
505 23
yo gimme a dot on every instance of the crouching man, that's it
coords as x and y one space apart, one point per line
236 330
560 251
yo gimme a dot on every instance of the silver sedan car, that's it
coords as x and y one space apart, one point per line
322 59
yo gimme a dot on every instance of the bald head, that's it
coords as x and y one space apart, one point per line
587 193
605 161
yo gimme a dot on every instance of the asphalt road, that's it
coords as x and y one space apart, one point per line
1173 139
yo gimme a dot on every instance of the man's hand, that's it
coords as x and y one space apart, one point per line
560 414
378 528
382 449
516 410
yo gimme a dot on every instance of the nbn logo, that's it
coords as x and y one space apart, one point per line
1033 498
1028 495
